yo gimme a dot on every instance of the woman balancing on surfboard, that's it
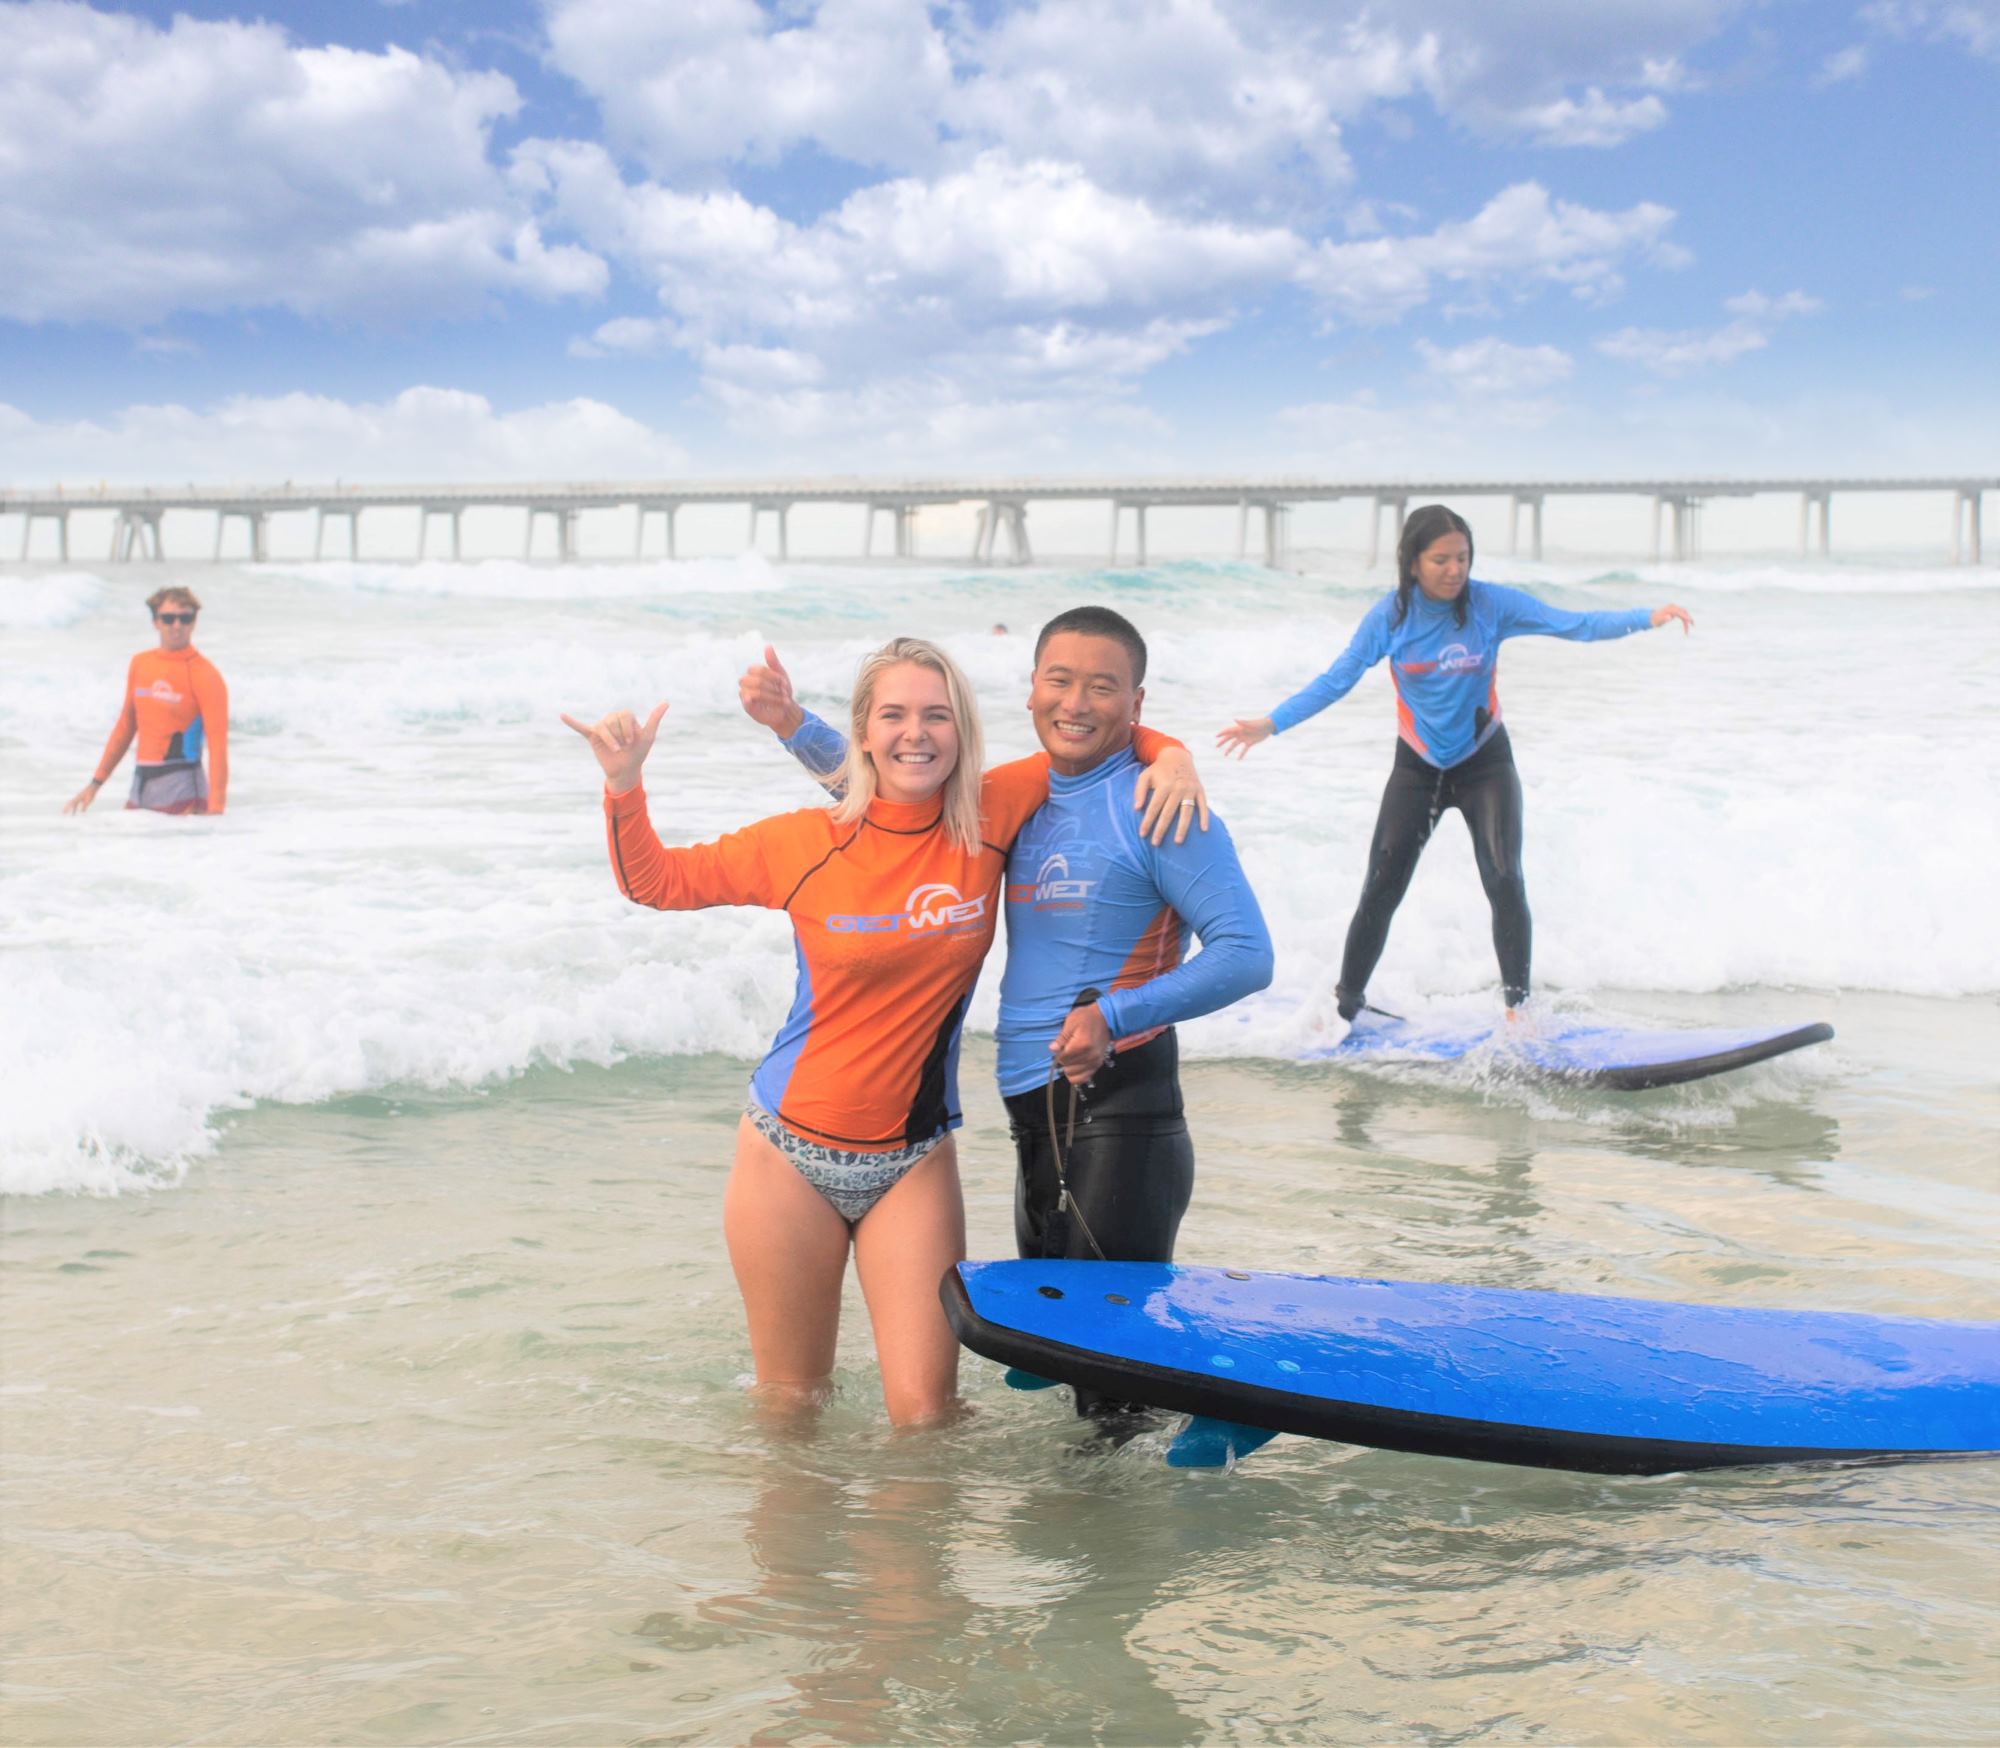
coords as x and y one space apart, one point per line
892 891
1441 633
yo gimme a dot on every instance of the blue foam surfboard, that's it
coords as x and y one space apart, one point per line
1621 1058
1553 1380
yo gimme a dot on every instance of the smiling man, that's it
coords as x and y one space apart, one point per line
1095 907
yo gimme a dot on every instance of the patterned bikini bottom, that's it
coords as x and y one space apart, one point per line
853 1182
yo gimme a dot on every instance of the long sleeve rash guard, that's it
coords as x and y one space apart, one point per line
1446 674
891 922
175 706
1091 904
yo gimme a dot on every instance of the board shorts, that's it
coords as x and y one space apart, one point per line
852 1181
169 789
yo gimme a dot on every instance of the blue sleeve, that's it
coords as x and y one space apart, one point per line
1205 883
818 746
1368 645
1519 614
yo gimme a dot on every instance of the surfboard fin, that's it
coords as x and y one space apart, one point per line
1207 1443
1016 1379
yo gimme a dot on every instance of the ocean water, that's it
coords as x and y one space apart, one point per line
372 1371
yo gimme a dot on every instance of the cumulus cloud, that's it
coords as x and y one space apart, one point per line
1973 25
1677 352
1028 267
1841 66
1595 121
423 433
1520 239
1493 367
1199 103
217 166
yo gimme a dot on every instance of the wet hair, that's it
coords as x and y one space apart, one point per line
1098 622
1422 529
961 789
175 593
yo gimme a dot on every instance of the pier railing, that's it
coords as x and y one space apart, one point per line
1003 504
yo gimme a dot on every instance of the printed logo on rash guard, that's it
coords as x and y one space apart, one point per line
163 690
1452 659
1051 887
935 906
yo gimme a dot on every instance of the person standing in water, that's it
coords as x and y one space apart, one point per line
1102 905
892 892
1441 632
175 707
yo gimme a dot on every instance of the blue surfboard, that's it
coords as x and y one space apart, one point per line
1624 1059
1552 1380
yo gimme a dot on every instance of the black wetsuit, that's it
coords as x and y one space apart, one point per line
1129 1165
1487 790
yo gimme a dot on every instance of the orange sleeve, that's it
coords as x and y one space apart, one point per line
1008 794
122 730
1149 743
211 698
743 867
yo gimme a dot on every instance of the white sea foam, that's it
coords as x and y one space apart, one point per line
47 601
507 579
410 885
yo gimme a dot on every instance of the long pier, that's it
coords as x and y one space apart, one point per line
1003 508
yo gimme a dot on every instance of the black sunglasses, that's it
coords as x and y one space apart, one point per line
175 618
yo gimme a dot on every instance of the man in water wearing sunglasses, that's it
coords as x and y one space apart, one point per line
175 704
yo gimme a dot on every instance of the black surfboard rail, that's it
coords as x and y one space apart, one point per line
1361 1423
1643 1077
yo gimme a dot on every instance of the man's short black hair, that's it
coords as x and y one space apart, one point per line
1098 622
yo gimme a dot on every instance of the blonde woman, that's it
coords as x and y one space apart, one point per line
892 890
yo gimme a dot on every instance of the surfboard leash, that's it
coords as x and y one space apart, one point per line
1065 1202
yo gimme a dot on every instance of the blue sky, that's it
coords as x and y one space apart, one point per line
614 237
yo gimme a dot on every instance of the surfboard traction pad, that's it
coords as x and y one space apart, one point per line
1549 1056
1372 1424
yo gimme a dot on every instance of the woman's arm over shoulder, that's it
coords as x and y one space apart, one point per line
1008 794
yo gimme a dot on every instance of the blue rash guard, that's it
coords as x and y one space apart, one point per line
1445 674
1092 904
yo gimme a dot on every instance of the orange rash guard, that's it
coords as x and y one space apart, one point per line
891 922
175 704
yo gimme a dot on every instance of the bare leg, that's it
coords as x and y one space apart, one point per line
902 1248
789 1250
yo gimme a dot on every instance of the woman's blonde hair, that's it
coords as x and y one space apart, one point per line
961 788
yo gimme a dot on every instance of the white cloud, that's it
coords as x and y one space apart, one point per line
421 434
1493 367
1674 353
1520 239
1760 306
688 84
1199 104
216 166
1973 25
1841 66
1596 121
1024 267
1677 352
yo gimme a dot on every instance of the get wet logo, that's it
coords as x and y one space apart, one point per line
932 907
1051 886
160 691
1454 658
